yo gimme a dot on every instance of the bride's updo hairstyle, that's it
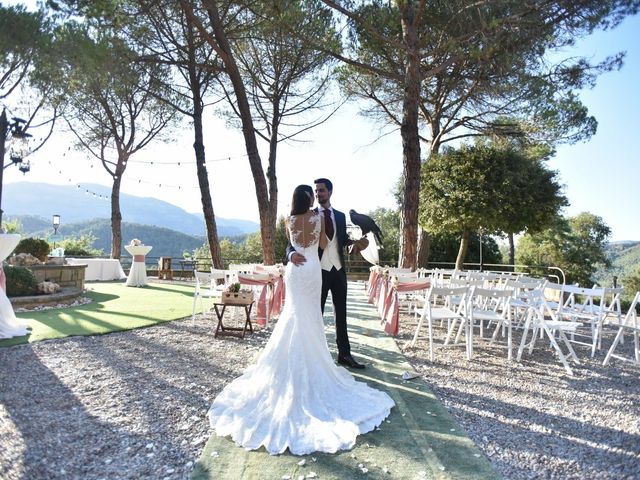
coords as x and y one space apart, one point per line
302 199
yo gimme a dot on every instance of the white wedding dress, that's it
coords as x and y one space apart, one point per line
295 396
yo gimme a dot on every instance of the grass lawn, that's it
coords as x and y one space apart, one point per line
114 307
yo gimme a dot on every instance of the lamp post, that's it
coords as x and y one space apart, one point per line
56 225
481 261
19 147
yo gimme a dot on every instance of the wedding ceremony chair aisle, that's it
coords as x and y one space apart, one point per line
418 440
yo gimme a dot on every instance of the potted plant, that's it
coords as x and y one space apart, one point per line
234 294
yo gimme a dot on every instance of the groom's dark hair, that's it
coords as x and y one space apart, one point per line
326 181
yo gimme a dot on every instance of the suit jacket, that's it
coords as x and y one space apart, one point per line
342 237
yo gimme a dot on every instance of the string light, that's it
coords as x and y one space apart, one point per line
141 181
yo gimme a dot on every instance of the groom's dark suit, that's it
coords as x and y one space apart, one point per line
335 281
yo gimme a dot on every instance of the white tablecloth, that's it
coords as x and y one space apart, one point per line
138 273
99 268
10 326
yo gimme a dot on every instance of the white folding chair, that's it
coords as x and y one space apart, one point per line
272 269
542 318
631 325
553 295
584 305
236 269
521 301
612 308
492 306
398 271
206 287
408 300
434 311
464 282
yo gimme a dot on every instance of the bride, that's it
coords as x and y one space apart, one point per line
294 396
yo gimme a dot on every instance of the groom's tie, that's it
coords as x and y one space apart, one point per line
328 223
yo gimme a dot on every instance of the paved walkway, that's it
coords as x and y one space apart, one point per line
419 439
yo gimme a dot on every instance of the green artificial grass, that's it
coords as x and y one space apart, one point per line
115 307
419 439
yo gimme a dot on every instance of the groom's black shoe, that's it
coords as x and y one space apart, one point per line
349 361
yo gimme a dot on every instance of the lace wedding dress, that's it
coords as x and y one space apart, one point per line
295 396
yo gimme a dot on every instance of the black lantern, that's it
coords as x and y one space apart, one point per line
19 144
14 131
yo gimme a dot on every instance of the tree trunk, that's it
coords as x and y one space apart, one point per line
464 246
205 193
248 130
401 238
273 185
4 125
198 146
410 137
424 239
424 248
116 216
512 250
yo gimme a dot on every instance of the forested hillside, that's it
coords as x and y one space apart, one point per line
625 259
165 242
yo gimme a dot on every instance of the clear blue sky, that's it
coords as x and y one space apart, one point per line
600 176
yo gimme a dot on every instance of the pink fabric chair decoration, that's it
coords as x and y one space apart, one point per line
261 310
392 312
277 300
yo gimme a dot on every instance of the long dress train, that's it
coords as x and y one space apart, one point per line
295 396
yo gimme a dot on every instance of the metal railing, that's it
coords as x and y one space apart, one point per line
356 268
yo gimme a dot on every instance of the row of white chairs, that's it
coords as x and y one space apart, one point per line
469 307
538 307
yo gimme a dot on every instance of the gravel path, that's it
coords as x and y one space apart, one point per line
125 405
531 419
133 405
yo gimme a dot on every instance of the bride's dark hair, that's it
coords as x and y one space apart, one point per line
302 199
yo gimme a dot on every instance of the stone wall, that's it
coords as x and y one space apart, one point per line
63 275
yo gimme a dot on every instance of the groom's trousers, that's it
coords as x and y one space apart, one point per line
335 281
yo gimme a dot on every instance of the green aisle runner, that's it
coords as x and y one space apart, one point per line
419 439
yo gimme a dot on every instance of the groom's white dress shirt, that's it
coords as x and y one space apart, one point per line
330 255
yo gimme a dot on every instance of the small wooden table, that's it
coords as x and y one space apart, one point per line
221 329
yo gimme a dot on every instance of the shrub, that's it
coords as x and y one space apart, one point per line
35 246
20 281
81 246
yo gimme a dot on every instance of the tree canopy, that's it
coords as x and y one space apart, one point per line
575 244
484 188
459 66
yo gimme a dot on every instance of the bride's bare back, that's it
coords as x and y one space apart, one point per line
306 230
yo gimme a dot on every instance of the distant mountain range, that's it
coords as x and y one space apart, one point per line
165 242
37 202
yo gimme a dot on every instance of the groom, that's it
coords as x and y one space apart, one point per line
334 277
